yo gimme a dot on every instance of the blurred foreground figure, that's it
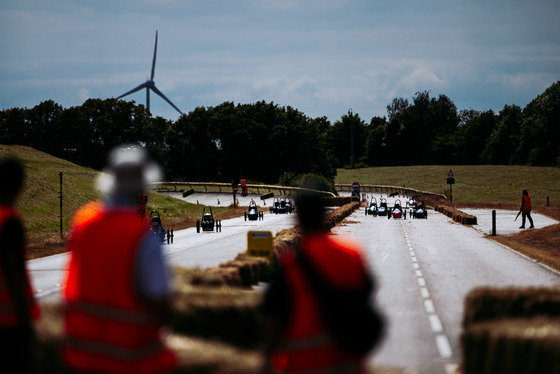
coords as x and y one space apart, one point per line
117 285
17 305
318 311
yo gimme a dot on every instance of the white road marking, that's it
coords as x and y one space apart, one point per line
429 306
444 347
435 323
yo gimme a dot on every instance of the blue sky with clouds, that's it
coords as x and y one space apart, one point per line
322 57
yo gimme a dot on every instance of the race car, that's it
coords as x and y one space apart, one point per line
372 208
207 222
289 206
420 212
397 211
253 213
383 209
156 227
279 206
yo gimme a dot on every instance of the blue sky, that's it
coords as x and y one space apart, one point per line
322 57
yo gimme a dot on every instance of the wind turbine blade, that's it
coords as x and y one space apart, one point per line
148 99
154 60
133 90
155 89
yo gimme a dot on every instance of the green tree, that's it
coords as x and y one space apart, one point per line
504 140
540 130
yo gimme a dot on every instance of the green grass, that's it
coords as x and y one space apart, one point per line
39 202
487 184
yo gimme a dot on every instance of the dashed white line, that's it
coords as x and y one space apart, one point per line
442 342
444 347
435 323
429 306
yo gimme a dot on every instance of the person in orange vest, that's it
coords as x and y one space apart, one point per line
307 325
244 191
117 284
18 308
526 209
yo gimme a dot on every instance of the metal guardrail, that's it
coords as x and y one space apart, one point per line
228 188
400 190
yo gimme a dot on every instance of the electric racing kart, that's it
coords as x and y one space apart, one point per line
156 227
253 213
397 211
383 209
207 222
372 208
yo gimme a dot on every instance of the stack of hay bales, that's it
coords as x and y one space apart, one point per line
512 330
456 215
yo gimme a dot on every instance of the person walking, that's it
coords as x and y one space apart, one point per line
18 308
318 313
526 209
117 285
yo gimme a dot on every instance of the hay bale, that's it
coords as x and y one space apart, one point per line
216 277
197 355
227 314
245 271
487 303
513 346
50 338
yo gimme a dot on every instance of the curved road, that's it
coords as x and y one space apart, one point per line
424 269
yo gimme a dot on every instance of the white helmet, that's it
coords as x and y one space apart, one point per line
130 170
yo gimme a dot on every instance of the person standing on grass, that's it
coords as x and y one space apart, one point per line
18 308
117 285
526 209
318 312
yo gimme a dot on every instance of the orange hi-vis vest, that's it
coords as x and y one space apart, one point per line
306 345
8 315
526 203
109 329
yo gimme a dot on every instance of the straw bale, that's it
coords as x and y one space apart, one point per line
513 346
228 314
490 303
202 356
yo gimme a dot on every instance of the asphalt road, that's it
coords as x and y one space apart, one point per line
424 269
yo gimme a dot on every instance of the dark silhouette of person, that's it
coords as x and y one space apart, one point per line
318 313
18 308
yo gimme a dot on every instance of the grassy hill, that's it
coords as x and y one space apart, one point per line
474 184
39 202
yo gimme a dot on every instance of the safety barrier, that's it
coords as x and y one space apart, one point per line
227 187
389 189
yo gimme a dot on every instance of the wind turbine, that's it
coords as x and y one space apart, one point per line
150 85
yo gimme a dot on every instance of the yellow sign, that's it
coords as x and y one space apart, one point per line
260 244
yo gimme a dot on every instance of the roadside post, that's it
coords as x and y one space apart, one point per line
261 244
493 222
450 182
60 197
235 189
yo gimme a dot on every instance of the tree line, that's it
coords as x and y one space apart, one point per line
273 144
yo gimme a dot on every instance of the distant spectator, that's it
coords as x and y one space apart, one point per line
526 209
17 304
117 285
